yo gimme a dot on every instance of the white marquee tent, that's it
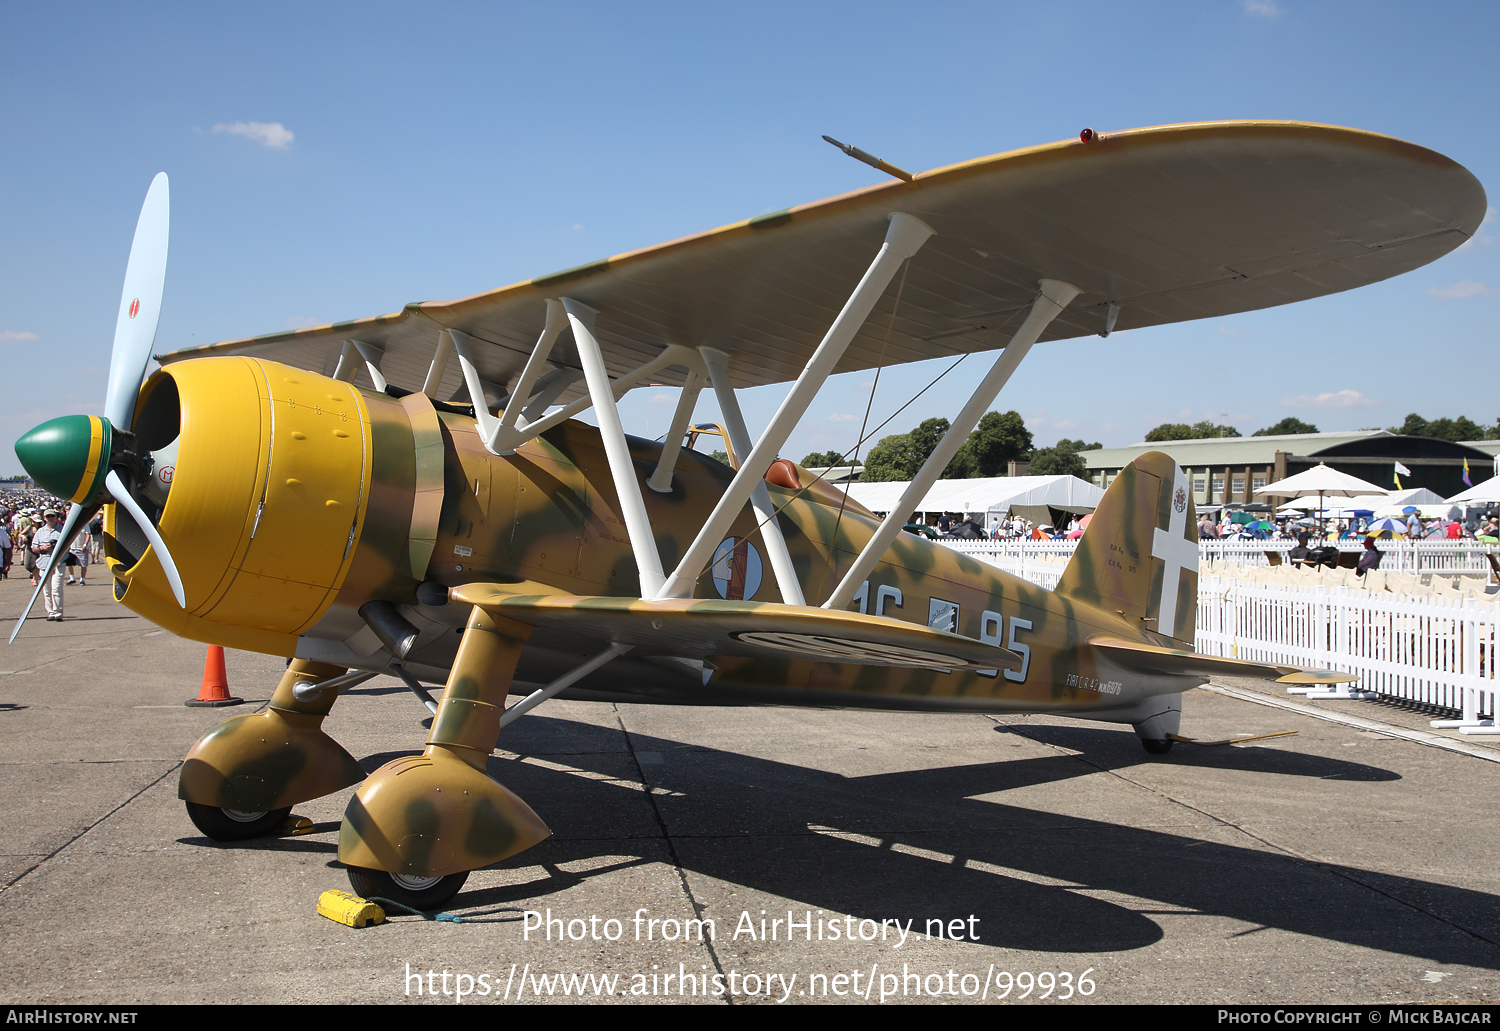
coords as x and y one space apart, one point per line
988 499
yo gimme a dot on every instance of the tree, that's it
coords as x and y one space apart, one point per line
899 456
1461 428
720 456
1060 460
1414 426
822 460
1197 431
1287 425
998 440
887 460
1205 429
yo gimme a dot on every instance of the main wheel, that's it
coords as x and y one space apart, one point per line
1157 746
424 893
235 824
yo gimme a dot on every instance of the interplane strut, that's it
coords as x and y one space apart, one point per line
1052 299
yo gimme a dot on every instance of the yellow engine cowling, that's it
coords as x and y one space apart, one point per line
266 501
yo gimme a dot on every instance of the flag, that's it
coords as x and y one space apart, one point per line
1403 470
1467 482
1398 481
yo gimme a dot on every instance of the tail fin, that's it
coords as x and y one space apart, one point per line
1139 555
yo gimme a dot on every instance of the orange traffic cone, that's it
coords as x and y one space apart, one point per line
215 689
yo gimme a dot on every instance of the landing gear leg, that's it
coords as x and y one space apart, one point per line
241 780
420 823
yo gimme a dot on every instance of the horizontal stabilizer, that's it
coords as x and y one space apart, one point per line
697 629
1146 658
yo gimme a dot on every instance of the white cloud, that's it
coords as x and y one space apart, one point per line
1463 288
1262 8
577 227
8 336
662 399
1337 399
1231 331
270 134
841 418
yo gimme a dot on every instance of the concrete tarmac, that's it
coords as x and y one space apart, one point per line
1015 854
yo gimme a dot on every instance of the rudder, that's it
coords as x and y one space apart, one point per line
1143 538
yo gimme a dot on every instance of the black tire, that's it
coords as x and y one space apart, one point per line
1157 746
235 824
424 893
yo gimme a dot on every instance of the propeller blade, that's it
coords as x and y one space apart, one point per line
117 490
140 305
78 518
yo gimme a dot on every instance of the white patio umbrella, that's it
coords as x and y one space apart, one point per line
1321 480
1479 494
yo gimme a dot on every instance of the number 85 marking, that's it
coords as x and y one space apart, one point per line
989 636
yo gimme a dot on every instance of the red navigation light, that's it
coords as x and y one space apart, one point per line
1088 136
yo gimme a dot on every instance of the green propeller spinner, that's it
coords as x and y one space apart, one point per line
68 457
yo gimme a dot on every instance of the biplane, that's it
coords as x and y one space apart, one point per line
410 494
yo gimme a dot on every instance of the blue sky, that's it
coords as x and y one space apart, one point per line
390 153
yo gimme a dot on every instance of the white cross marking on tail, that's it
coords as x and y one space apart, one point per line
1176 550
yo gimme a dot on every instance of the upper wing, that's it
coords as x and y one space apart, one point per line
1172 223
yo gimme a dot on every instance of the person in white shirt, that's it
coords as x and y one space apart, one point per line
43 543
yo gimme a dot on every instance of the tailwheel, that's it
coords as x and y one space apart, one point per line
1157 746
424 893
235 824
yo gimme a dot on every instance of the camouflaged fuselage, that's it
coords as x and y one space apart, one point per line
547 521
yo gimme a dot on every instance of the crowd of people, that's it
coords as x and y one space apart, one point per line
1234 524
1484 528
31 524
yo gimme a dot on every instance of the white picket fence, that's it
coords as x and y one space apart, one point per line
1433 650
1429 649
1451 557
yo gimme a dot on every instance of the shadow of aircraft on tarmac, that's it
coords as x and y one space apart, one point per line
942 842
920 844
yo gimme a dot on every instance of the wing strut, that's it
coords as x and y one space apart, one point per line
567 680
1052 299
739 438
661 476
904 238
354 352
508 437
487 425
621 467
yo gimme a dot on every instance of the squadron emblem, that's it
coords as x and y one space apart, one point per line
1179 500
